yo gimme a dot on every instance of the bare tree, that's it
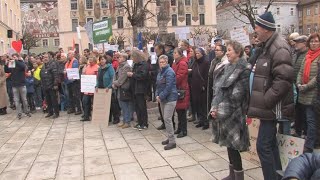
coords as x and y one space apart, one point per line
203 30
137 12
246 8
29 41
118 39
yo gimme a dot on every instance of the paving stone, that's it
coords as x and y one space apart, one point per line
21 161
47 157
121 156
225 173
180 161
185 140
134 135
14 175
111 134
97 165
160 173
194 172
203 155
150 159
156 138
93 142
101 177
138 145
214 147
71 160
6 158
73 171
43 170
215 165
173 152
10 148
74 135
95 151
29 149
191 147
202 137
50 149
115 143
32 142
255 173
130 171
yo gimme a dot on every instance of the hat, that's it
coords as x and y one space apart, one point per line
301 39
202 51
266 21
293 35
217 39
109 53
170 44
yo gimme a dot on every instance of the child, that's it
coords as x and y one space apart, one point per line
30 91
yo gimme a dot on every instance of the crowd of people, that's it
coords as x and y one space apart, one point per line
275 80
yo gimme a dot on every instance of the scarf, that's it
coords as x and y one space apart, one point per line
310 57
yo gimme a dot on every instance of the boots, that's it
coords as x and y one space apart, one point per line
239 175
231 173
3 111
182 134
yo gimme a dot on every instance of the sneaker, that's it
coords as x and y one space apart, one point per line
120 124
125 125
136 126
19 116
38 108
142 128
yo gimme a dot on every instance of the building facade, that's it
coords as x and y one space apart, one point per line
284 12
10 19
309 16
40 19
184 15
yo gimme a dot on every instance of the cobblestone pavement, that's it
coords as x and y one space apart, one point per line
66 148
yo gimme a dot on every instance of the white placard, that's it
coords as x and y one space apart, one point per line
78 32
12 64
115 47
182 36
201 40
241 36
185 53
191 42
73 73
130 62
88 83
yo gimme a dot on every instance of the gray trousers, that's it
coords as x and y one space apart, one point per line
20 92
167 112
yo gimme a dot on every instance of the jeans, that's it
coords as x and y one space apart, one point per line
38 95
52 101
126 107
267 148
141 109
30 99
64 88
20 92
74 95
311 126
87 102
168 110
284 126
182 120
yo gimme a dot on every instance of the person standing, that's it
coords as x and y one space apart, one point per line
316 106
167 96
30 91
19 89
3 89
50 81
37 82
271 91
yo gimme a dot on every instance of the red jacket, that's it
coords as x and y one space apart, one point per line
181 69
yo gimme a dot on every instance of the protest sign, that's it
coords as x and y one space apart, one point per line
73 73
252 155
88 83
101 106
241 36
102 31
201 40
130 62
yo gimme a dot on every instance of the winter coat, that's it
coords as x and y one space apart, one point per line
272 90
304 167
30 84
316 105
230 101
107 76
18 77
140 78
75 64
166 85
49 75
297 62
3 88
180 68
307 96
121 79
199 81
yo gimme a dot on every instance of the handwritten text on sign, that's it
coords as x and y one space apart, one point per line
88 83
201 40
241 36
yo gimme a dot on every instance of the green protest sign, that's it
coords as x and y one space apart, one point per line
101 31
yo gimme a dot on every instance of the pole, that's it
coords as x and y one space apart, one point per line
80 46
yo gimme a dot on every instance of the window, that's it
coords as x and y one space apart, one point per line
74 4
45 42
74 24
119 3
255 11
158 2
89 4
89 19
279 28
291 12
120 22
174 20
308 11
316 10
300 14
188 19
201 2
202 19
315 27
300 30
309 29
173 2
187 2
57 42
105 17
292 28
278 11
104 3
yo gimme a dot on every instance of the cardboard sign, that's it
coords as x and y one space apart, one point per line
88 83
12 64
201 40
289 148
101 106
252 155
241 36
73 73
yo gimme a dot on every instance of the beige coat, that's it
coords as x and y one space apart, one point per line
3 88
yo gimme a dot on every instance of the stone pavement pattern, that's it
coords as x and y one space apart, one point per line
66 148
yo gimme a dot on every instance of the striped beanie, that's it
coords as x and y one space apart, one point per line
266 21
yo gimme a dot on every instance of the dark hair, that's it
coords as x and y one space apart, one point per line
51 53
179 51
87 50
15 54
160 46
248 46
104 56
312 36
223 48
237 47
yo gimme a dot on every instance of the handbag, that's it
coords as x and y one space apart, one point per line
181 94
125 94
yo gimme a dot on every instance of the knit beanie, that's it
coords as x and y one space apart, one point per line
202 51
266 21
109 53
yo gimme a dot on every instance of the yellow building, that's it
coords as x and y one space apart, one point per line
10 19
184 16
309 16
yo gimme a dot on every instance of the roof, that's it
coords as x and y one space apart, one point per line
307 2
229 3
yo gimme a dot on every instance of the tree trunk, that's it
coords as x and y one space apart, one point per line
135 35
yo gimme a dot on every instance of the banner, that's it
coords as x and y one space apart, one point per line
101 106
88 83
101 31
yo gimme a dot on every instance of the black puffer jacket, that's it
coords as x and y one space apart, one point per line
304 167
49 75
272 89
139 80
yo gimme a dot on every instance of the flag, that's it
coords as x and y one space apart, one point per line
73 45
140 41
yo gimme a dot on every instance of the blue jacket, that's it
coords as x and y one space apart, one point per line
166 85
30 84
107 76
